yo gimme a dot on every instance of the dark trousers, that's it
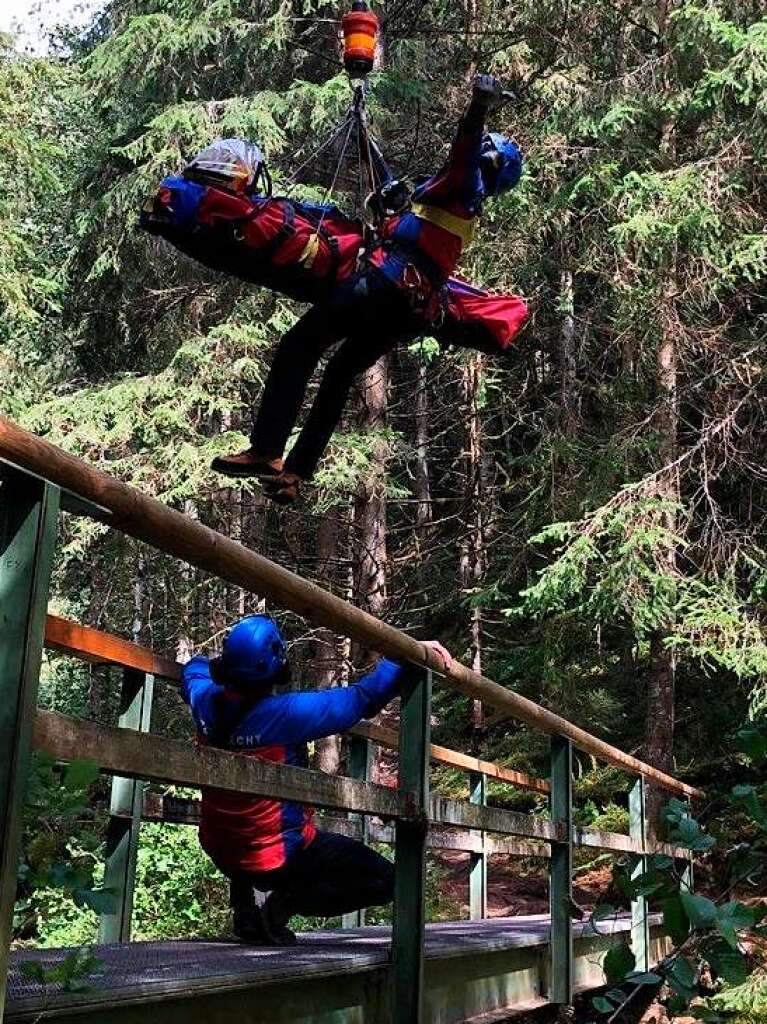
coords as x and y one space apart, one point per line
333 875
370 316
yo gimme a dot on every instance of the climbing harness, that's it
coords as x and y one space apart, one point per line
459 226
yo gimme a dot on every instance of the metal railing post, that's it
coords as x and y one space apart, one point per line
478 861
28 516
125 809
360 753
410 854
561 872
640 913
687 878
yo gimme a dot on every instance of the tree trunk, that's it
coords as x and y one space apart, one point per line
370 506
370 512
659 733
567 361
422 475
472 551
184 645
327 750
661 686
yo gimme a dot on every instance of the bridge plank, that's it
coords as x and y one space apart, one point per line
182 811
169 981
454 758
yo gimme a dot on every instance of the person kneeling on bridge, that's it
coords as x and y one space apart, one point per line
239 702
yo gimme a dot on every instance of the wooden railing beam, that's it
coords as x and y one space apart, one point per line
157 759
148 520
93 645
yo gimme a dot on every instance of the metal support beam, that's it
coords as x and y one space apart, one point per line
360 756
640 911
478 860
561 872
687 878
125 809
28 516
410 854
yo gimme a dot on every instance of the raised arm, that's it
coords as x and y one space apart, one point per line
300 717
460 179
200 692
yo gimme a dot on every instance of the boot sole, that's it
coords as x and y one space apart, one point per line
242 473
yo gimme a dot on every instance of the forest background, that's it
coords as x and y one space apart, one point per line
582 519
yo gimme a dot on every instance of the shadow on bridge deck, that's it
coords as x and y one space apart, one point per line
473 969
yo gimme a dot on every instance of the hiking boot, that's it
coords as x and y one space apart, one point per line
275 917
283 489
266 925
246 464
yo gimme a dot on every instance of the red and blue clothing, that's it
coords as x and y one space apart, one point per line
432 234
243 833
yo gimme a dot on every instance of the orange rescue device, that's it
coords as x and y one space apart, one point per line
360 28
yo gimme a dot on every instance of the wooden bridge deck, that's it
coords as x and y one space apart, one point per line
474 971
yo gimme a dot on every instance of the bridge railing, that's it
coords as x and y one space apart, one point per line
37 481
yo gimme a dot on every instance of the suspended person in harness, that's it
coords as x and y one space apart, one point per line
389 300
239 702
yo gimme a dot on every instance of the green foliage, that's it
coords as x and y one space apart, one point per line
613 569
179 893
72 974
708 933
61 856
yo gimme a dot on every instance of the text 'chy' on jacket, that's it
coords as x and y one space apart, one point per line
241 832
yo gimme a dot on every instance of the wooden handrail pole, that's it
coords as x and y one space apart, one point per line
148 520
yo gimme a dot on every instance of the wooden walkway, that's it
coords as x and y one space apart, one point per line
475 970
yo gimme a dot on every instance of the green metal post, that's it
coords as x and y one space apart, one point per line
687 878
28 516
561 872
410 854
360 753
640 911
478 861
125 809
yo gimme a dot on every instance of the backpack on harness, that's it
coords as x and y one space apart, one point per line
303 250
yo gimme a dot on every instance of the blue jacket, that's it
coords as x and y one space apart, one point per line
246 833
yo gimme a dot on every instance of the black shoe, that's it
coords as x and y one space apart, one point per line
275 917
264 926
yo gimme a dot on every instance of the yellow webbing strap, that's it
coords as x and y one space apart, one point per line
448 221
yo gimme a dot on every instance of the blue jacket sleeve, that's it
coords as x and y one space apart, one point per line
200 693
300 717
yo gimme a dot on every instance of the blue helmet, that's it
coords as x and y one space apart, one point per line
254 651
501 164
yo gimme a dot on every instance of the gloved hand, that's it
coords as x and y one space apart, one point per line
486 89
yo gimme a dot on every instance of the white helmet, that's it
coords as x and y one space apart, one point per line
233 164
